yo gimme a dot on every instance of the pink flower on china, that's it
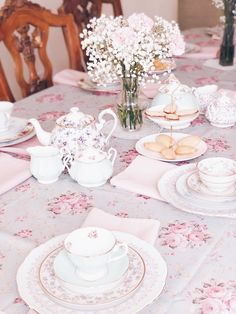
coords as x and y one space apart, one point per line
212 306
189 68
50 98
140 21
25 233
124 37
51 116
206 80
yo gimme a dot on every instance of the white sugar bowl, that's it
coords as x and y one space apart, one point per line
222 113
92 167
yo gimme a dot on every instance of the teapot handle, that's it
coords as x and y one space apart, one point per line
102 122
112 151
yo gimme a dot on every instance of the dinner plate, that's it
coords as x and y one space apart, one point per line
88 85
34 295
201 148
186 201
18 129
66 272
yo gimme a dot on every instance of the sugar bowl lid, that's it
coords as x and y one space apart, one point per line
75 119
90 155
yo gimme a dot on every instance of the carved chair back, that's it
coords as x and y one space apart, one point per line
116 5
24 29
5 92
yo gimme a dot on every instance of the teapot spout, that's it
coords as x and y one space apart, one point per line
43 136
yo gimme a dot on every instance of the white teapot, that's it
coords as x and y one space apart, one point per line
92 167
75 131
222 113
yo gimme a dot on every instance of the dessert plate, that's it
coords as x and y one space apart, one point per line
18 129
34 294
66 272
88 85
194 184
201 148
98 298
184 200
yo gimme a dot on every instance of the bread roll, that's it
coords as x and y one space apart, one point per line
166 140
168 153
184 150
191 140
154 146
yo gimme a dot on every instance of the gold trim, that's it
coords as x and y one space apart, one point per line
91 305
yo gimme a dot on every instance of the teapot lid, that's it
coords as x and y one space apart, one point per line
90 155
75 119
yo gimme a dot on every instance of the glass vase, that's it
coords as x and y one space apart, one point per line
227 46
130 106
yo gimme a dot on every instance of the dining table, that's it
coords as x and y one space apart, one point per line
199 250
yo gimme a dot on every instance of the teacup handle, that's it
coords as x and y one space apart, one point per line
120 246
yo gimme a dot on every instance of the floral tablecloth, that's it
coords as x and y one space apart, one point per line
199 251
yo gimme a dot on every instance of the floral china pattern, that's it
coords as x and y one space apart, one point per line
215 297
70 203
184 235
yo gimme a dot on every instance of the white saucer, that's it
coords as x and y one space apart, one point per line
201 148
18 130
88 85
194 183
65 271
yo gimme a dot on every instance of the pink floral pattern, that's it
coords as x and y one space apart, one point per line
23 187
70 203
128 156
50 98
216 297
190 68
206 80
24 233
217 144
122 214
200 120
51 116
184 235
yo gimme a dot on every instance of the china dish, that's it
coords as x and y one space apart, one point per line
18 130
36 275
88 85
200 148
66 272
174 189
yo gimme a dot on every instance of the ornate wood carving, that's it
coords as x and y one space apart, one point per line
24 28
5 92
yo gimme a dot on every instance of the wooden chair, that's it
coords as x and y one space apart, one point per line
5 92
116 4
24 29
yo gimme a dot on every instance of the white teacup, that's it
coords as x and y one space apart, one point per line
46 164
206 95
218 174
5 114
91 249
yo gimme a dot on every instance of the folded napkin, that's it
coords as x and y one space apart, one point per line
13 171
69 77
141 176
145 229
209 52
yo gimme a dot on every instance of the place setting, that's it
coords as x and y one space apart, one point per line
13 130
94 270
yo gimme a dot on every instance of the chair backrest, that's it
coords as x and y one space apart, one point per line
5 92
200 13
24 29
116 4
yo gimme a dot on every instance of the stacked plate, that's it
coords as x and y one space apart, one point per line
182 188
48 282
19 131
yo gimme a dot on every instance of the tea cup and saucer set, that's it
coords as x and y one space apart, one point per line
13 130
91 260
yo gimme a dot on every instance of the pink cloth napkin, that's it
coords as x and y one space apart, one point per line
145 229
13 171
141 176
69 77
208 52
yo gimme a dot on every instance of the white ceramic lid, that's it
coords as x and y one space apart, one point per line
91 155
90 241
75 119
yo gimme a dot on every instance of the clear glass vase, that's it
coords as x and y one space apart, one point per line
130 106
